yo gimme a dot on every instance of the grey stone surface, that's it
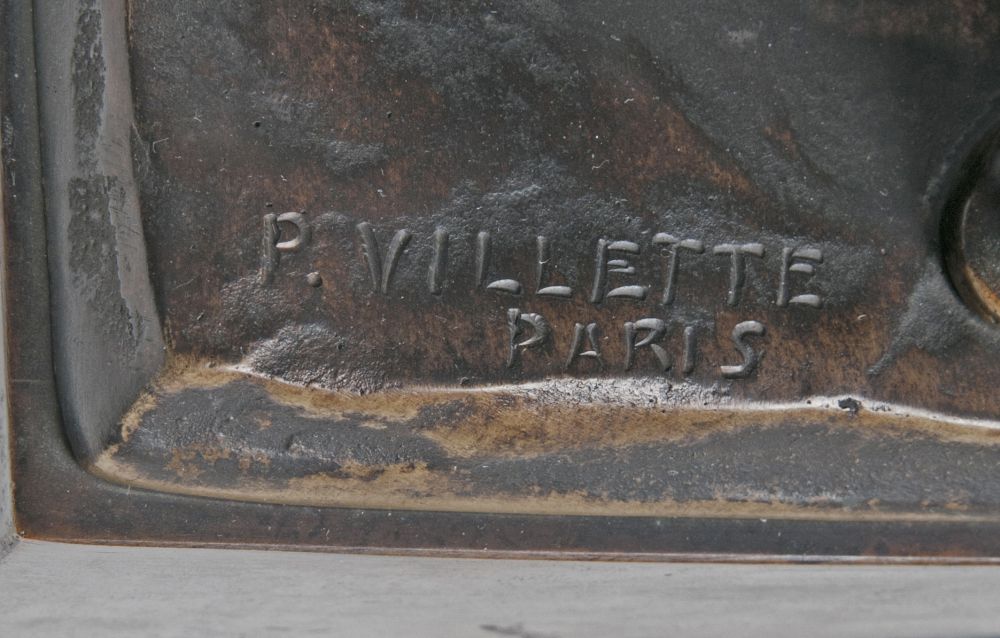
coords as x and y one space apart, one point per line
7 536
49 589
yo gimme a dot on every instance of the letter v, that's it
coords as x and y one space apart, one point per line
382 270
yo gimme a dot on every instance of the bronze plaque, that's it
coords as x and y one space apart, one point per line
653 264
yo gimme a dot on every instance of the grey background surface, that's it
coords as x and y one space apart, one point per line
49 589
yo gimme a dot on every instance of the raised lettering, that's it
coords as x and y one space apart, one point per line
689 350
673 261
737 272
435 275
605 265
576 349
798 260
543 260
750 357
483 251
515 322
273 246
382 270
655 330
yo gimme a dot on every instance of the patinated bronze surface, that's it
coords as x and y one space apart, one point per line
596 277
